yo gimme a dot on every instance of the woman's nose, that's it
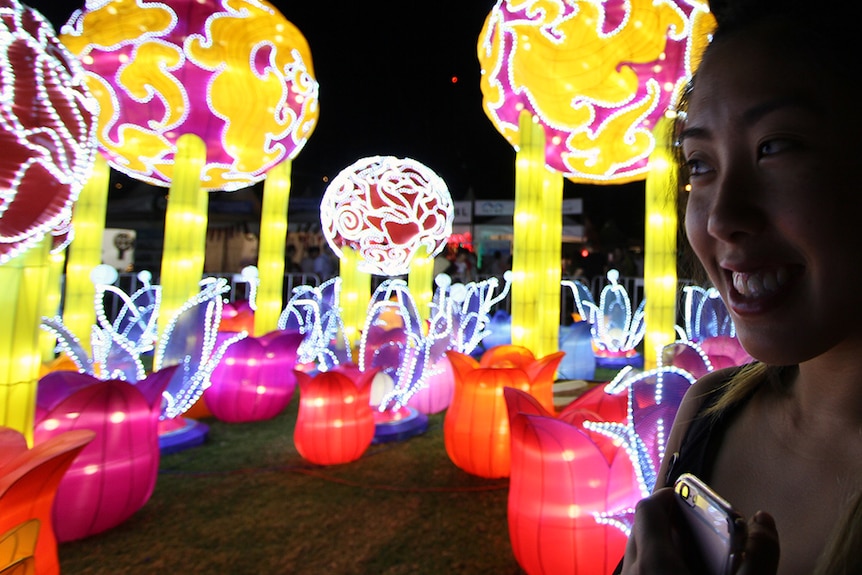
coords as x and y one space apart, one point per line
734 211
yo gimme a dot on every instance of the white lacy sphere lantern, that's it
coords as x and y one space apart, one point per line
386 209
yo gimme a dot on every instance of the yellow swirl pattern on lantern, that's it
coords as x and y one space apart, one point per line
597 74
234 72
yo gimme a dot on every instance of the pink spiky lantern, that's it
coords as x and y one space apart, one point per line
476 426
235 73
335 423
254 380
564 481
597 76
115 474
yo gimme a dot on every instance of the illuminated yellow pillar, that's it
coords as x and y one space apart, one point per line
552 251
185 230
420 280
355 294
528 266
24 279
270 258
660 279
85 252
53 295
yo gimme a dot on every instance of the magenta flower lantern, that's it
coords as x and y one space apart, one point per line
115 475
254 380
385 209
235 73
335 423
47 130
699 358
596 75
436 393
563 481
28 485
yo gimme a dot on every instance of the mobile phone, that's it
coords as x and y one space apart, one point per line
718 531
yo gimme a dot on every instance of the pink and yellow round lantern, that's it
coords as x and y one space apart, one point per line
254 380
335 422
476 426
597 76
114 476
235 73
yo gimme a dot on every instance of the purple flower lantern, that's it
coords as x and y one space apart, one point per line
114 476
254 380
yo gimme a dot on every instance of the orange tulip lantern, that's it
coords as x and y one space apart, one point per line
28 485
476 425
564 481
335 423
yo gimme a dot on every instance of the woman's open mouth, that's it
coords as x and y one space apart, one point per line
759 290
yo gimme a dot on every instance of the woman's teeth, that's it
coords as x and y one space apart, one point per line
760 283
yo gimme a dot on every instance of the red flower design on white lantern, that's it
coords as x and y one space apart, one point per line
386 208
47 129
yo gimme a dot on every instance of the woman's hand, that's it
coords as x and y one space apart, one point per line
658 541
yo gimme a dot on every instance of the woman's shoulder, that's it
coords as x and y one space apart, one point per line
707 387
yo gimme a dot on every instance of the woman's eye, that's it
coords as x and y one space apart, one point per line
697 167
772 147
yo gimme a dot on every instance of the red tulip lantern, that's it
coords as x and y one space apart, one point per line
254 380
476 426
565 483
116 473
335 423
28 485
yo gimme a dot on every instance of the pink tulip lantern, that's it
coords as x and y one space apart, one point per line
116 473
28 485
335 423
607 406
476 425
254 381
436 394
564 482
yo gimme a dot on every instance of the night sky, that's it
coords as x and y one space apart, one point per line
402 78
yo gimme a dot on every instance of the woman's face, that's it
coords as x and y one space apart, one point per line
774 207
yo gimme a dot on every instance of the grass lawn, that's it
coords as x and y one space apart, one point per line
245 502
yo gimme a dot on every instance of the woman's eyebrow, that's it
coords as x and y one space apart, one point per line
758 112
754 114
